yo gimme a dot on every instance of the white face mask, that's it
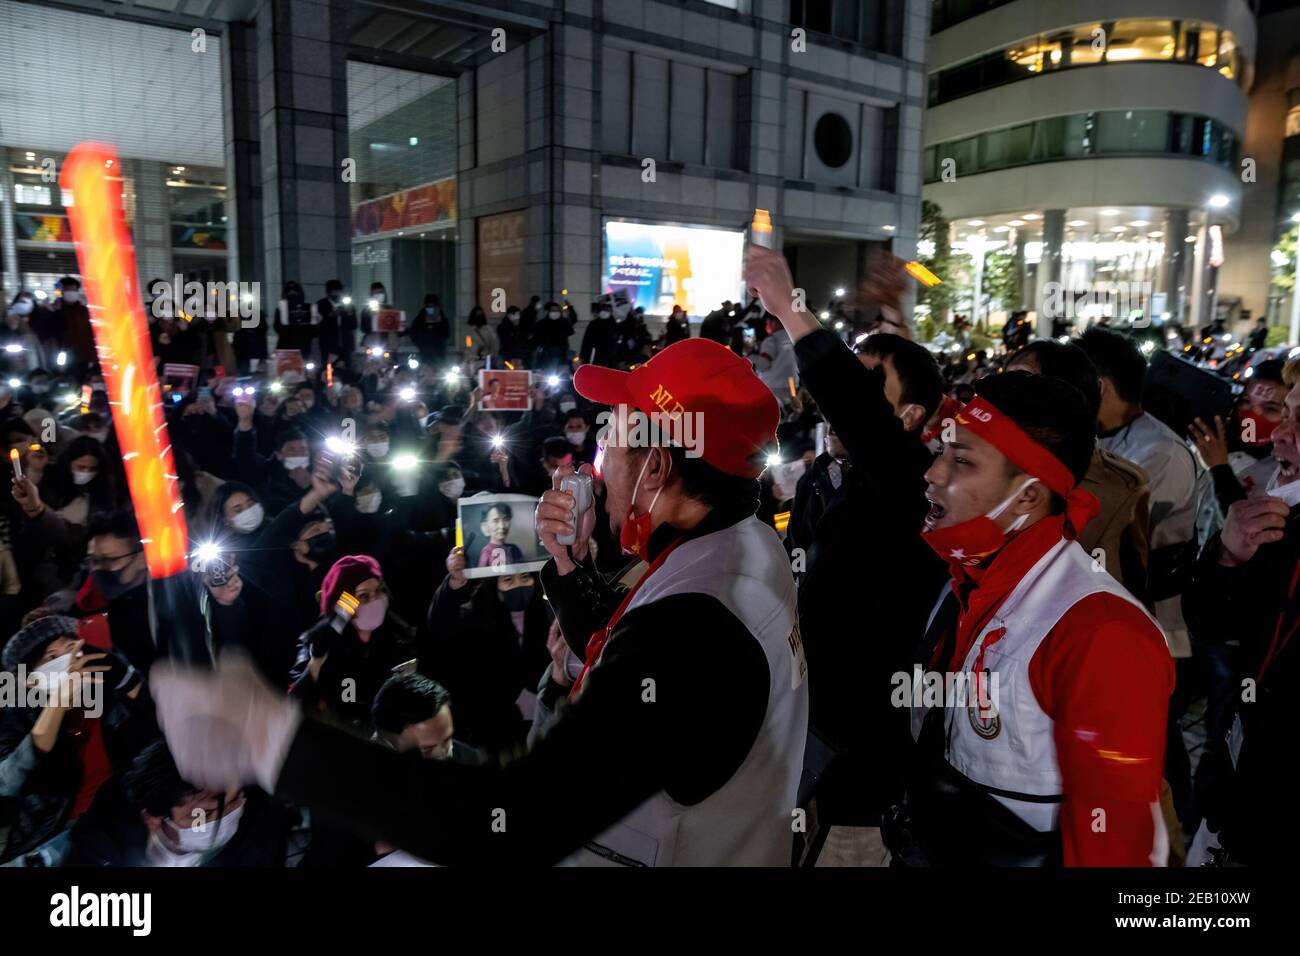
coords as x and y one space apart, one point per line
1290 492
22 307
568 405
100 437
74 297
83 477
57 666
369 504
576 438
603 313
213 836
452 488
1015 525
248 520
295 463
552 315
377 449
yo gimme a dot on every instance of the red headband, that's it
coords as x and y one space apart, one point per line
1006 436
1025 453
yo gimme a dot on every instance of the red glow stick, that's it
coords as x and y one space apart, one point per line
107 260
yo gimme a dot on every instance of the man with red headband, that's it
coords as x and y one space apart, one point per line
1051 750
682 742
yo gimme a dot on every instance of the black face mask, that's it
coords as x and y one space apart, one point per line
517 599
320 547
110 584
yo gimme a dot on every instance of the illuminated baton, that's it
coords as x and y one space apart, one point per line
921 274
107 260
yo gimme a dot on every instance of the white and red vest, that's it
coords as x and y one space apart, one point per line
1011 754
749 820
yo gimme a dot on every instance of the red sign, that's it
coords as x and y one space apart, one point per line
389 320
410 209
505 390
286 359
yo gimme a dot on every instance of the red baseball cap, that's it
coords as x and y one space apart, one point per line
738 414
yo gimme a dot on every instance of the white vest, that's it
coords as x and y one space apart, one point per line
1013 754
747 821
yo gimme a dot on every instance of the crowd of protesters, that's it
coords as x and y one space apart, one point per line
322 502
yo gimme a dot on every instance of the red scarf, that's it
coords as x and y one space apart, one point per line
981 591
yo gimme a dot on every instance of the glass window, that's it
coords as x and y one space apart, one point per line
158 119
966 154
196 199
1229 63
1133 131
1006 147
1085 45
1061 137
1203 44
402 132
1089 45
1079 135
1021 61
1140 40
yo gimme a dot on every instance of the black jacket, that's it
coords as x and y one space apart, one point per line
366 665
475 652
600 343
1251 805
870 579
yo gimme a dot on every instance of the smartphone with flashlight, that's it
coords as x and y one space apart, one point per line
217 566
332 464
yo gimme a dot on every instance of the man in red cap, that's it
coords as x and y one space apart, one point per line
682 742
1048 747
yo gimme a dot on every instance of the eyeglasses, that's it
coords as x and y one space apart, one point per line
105 562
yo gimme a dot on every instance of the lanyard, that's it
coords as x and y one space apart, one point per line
596 643
1279 642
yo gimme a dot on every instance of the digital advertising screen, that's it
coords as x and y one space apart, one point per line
695 267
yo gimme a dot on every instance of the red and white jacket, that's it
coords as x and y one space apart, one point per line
1084 678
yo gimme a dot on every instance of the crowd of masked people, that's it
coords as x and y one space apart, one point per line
323 499
338 475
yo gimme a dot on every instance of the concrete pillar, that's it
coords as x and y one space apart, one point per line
1196 315
152 227
8 241
1049 267
1174 275
1022 280
243 156
302 50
